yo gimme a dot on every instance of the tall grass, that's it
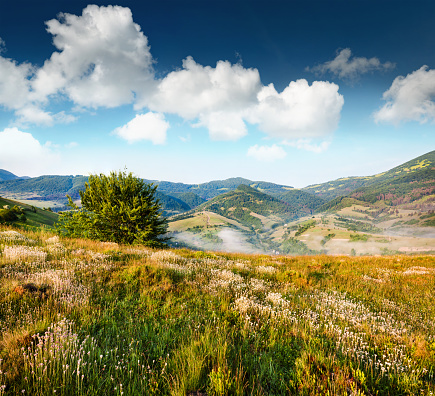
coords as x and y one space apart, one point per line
80 317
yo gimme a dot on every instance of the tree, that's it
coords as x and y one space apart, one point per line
116 208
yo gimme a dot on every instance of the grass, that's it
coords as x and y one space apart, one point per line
35 216
79 317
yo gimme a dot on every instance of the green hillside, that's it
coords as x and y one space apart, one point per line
243 202
6 175
189 198
17 213
216 187
346 185
403 188
305 202
338 203
171 205
48 186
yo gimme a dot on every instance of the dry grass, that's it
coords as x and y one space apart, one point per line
91 318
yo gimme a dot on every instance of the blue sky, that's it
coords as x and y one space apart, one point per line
293 92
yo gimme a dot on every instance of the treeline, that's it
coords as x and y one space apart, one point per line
402 189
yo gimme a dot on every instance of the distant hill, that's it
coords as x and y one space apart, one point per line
190 198
5 175
303 202
248 205
401 189
346 185
216 187
48 187
404 183
171 205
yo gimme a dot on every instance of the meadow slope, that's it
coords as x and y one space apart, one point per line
87 318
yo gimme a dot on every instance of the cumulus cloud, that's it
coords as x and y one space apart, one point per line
409 98
20 151
196 89
347 67
213 95
103 59
224 98
266 153
149 126
16 93
301 110
14 84
223 125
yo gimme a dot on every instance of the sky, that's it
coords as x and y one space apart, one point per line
291 92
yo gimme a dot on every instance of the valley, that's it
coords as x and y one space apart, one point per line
388 213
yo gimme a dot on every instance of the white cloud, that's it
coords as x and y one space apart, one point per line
308 145
347 67
33 115
214 96
299 111
223 98
223 125
197 89
20 151
409 98
14 85
149 126
103 58
266 153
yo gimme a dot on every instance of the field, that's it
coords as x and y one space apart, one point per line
86 318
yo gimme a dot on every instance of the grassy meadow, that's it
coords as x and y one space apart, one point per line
79 317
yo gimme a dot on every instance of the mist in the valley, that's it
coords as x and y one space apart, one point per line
419 232
233 241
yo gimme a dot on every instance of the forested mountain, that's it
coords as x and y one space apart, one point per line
404 183
190 198
48 187
346 185
216 187
246 204
404 188
6 175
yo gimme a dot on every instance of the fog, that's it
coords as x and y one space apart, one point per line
420 232
233 241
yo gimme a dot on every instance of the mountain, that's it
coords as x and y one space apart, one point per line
6 175
249 207
305 202
183 196
46 187
171 205
190 198
402 184
216 187
346 185
401 189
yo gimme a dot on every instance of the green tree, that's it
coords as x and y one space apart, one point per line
116 208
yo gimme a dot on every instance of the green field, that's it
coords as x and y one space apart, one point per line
35 217
87 318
